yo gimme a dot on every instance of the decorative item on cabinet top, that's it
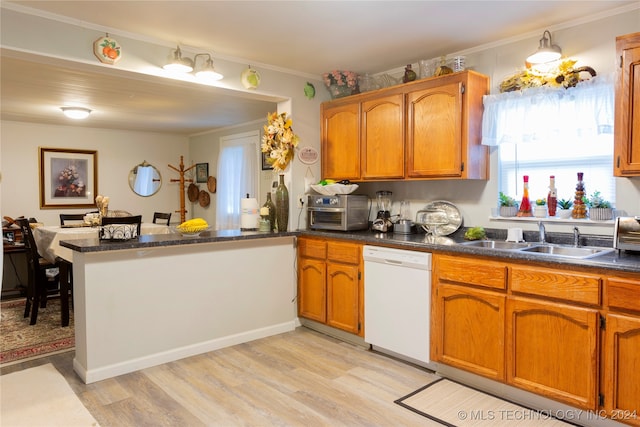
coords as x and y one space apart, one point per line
341 83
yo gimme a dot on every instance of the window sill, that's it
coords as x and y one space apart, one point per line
554 220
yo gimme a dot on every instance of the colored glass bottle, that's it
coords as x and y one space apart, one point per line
525 204
579 208
272 211
552 197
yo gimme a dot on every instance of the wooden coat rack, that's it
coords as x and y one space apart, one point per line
182 180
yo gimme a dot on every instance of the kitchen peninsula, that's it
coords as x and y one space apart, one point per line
160 298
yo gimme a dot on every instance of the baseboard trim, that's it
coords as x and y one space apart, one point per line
98 374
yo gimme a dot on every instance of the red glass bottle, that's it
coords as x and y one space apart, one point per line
552 197
525 204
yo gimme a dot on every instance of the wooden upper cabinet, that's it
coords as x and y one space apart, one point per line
434 137
427 129
341 141
627 111
444 120
383 137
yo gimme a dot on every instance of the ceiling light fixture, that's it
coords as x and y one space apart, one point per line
187 65
547 51
177 63
207 71
77 113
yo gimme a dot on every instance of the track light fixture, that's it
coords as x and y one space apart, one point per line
186 65
77 113
547 51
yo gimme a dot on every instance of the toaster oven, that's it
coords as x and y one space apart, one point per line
626 233
341 212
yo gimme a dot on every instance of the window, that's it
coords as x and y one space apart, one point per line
237 176
548 131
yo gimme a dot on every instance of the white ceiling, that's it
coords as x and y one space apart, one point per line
310 37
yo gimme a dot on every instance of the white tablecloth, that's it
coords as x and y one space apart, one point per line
48 238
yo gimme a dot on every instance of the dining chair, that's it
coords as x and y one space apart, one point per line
116 220
71 217
161 215
38 282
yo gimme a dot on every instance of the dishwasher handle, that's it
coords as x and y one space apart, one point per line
397 257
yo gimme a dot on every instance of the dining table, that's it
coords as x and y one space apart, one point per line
48 240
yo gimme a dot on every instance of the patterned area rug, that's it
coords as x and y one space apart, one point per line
20 341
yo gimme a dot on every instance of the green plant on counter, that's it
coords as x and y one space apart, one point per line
565 203
541 202
596 201
507 201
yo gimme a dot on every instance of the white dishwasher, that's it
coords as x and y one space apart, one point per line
397 303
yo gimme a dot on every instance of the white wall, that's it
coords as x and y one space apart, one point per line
118 153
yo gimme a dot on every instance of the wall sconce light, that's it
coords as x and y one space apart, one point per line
547 51
77 113
186 65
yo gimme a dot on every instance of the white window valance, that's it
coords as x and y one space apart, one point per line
550 114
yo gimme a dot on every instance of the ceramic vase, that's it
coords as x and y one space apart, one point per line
282 205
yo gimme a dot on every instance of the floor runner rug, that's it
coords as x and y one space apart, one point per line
453 404
20 341
41 396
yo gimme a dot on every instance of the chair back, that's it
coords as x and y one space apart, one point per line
165 217
29 241
71 217
111 230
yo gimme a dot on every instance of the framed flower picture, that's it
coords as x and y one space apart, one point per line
68 178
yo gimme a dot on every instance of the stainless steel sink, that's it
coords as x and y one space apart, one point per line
541 248
497 244
567 251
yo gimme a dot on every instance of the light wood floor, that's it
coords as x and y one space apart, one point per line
300 378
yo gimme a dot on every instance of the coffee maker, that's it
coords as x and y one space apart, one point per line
383 220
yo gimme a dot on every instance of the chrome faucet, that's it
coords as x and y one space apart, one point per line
576 237
542 232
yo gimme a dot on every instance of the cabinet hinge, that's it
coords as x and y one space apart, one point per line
600 399
359 326
603 322
359 275
618 162
462 167
621 63
462 88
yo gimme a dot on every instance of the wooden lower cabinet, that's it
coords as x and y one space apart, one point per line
552 349
622 350
471 336
330 289
622 368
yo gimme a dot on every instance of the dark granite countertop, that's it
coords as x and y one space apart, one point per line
172 239
615 260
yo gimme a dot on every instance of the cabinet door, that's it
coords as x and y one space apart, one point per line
341 141
434 131
627 124
312 297
622 368
468 330
552 350
383 137
343 297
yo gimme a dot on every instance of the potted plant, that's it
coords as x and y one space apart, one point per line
599 209
564 208
508 205
540 209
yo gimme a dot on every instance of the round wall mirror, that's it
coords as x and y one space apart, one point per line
145 180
